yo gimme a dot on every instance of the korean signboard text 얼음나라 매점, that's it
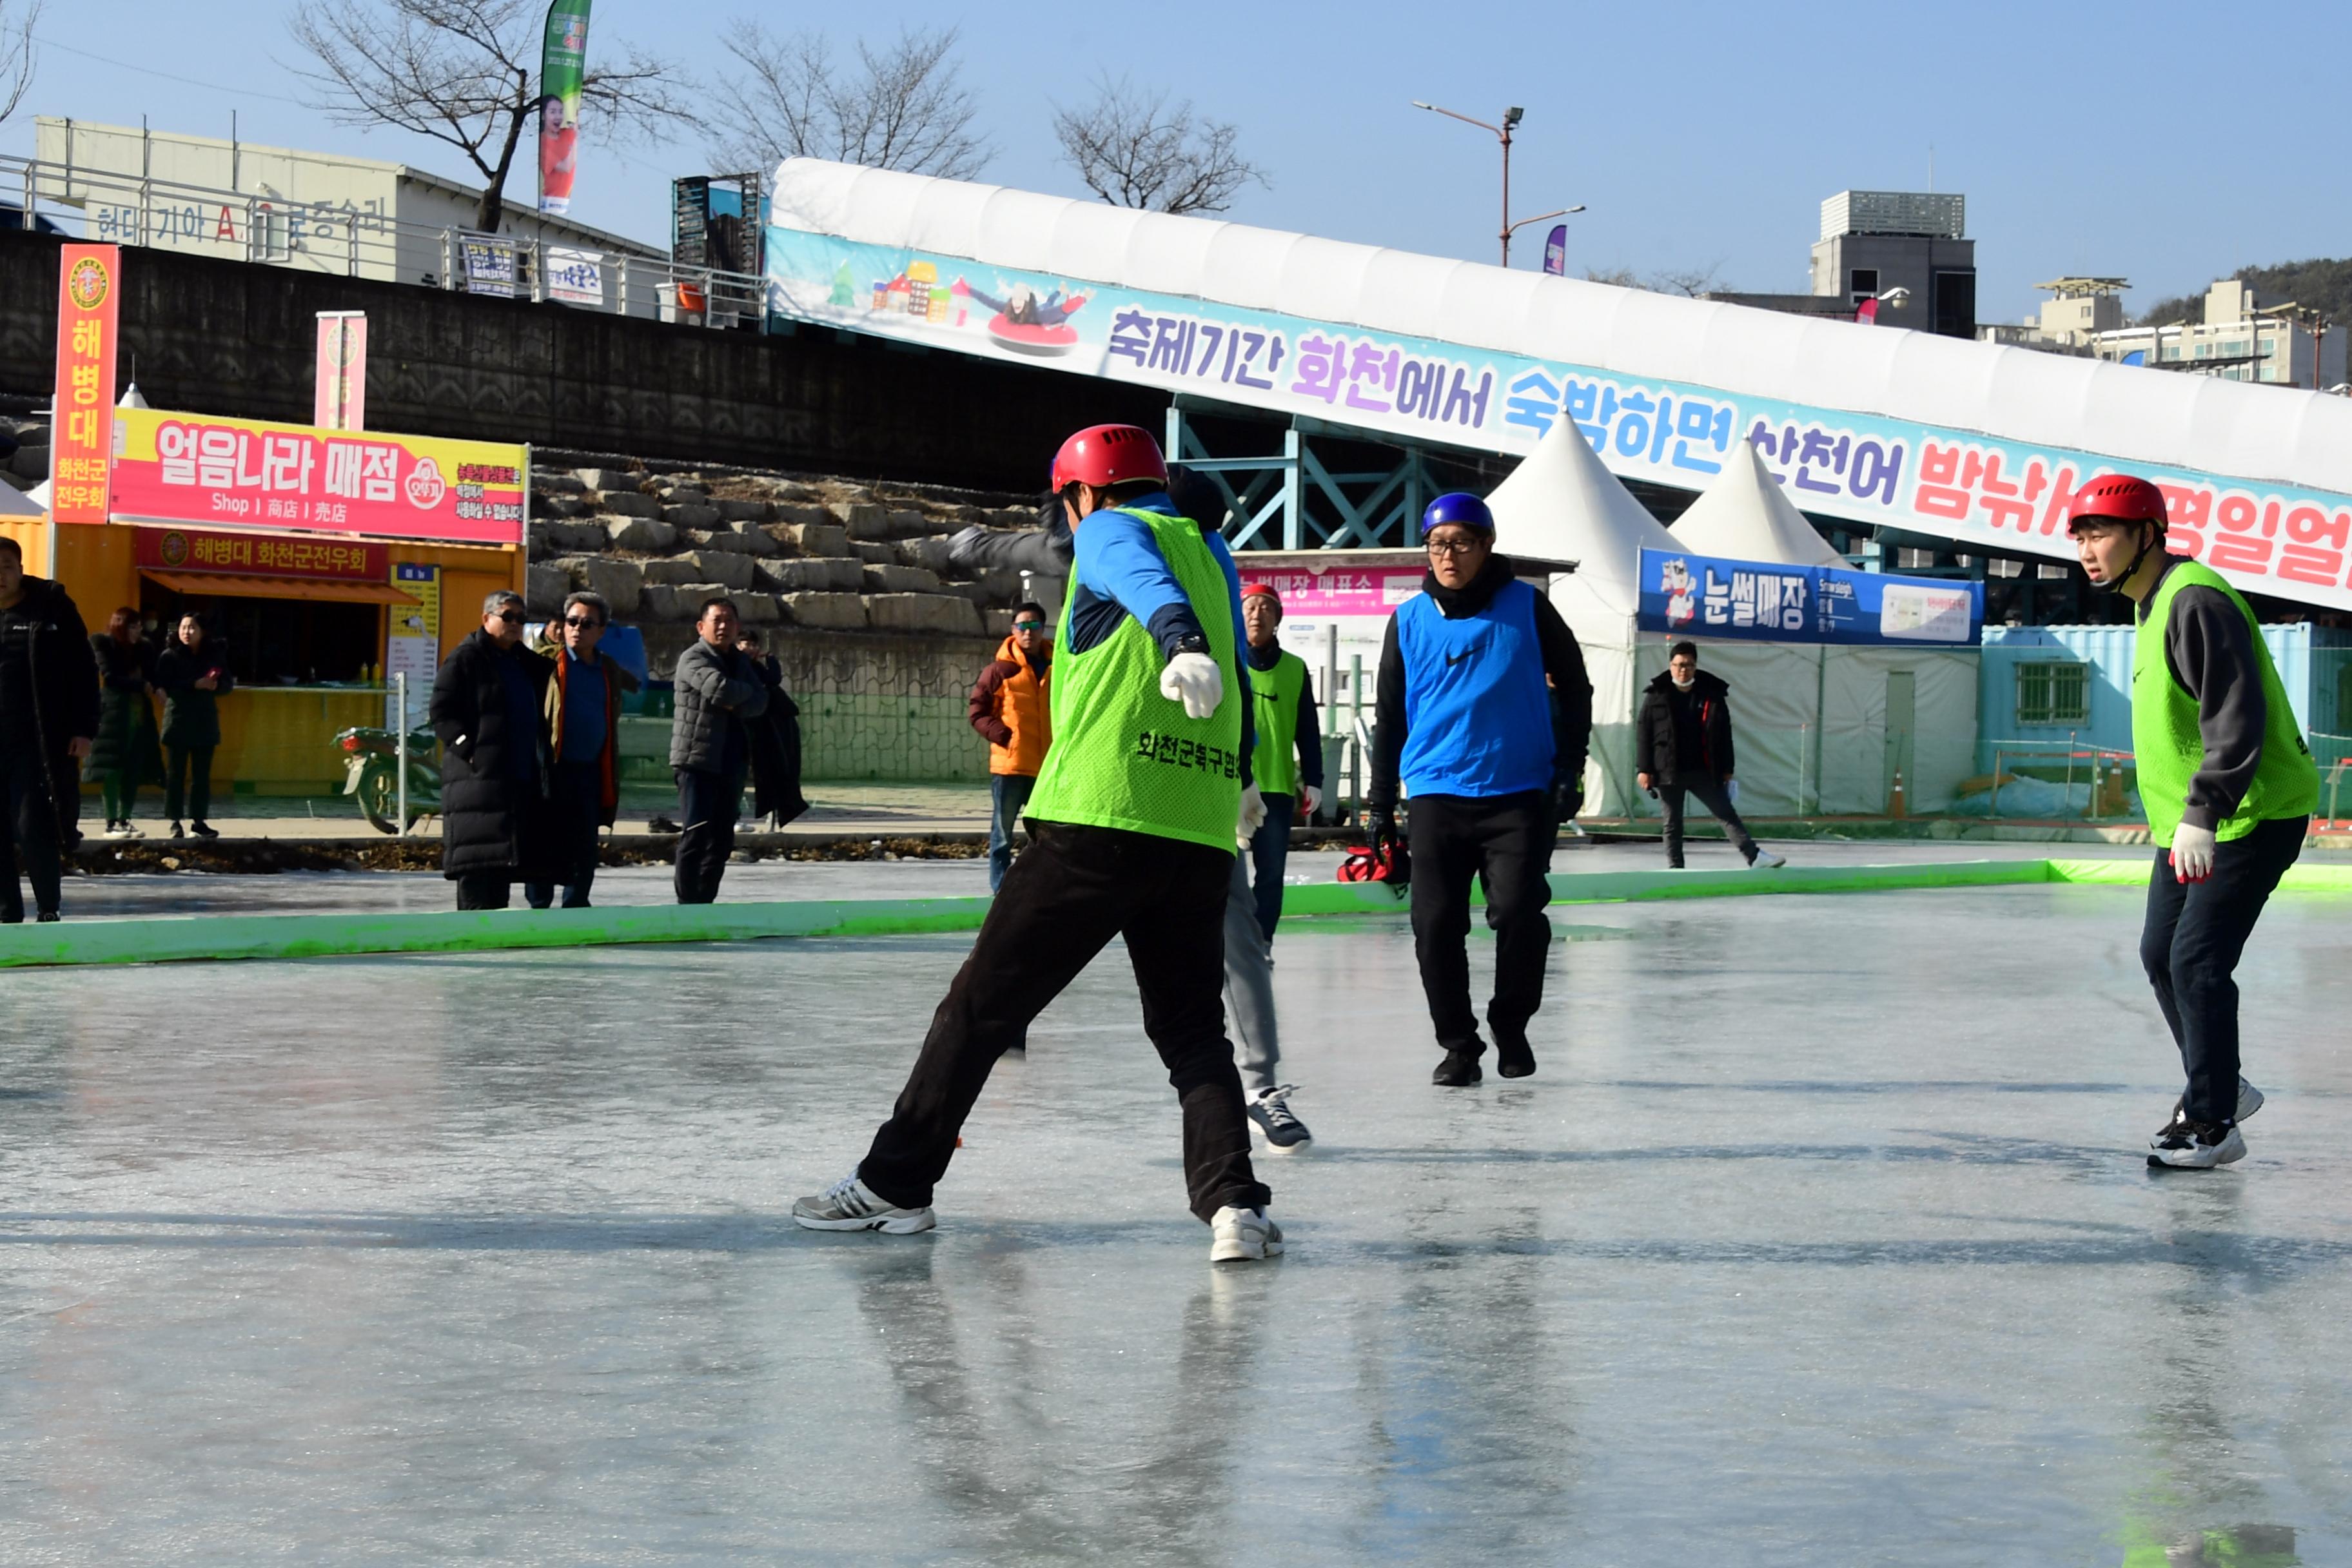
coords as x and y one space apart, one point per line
249 474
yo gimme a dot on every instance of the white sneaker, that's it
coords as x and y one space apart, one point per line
850 1205
1765 860
2196 1147
1271 1112
1243 1235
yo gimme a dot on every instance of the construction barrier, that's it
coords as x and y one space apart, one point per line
221 937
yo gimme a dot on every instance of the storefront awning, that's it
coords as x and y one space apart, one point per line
221 586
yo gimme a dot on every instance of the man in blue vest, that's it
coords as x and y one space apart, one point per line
2228 785
1484 715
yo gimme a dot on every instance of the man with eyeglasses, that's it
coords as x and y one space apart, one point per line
1008 708
486 702
583 715
1484 713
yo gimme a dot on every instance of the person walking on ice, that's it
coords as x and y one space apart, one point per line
1684 734
2228 785
1134 820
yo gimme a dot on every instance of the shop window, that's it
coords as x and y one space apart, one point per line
2053 693
278 642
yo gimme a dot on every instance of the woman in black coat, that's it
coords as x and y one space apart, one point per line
123 754
194 675
496 827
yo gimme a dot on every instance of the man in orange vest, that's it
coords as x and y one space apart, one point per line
1008 705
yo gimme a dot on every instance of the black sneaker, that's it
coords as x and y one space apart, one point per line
205 830
2197 1145
175 831
46 917
1514 1057
1285 1133
1458 1070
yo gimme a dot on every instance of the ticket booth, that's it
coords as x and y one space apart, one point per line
320 560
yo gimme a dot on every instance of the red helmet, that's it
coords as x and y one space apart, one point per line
2122 497
1106 455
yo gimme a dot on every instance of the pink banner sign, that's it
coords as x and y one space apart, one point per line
339 402
1374 591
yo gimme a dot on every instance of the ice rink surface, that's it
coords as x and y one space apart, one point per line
1821 1237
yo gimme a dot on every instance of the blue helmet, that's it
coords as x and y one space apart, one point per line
1460 508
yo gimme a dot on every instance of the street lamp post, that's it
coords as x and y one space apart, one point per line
1511 118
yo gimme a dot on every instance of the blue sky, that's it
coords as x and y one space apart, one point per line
2136 141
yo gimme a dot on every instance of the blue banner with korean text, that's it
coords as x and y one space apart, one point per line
1763 601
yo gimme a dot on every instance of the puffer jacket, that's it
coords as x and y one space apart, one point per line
714 687
64 684
1656 750
192 715
1008 705
490 820
126 739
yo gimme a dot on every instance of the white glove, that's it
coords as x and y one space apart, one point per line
1193 679
2192 853
1253 815
1313 794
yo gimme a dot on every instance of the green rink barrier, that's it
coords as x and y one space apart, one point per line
221 937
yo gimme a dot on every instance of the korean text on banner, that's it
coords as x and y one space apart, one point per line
260 555
575 276
1700 595
563 69
245 474
340 401
81 448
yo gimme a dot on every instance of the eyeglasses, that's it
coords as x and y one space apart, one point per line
512 617
1454 546
582 621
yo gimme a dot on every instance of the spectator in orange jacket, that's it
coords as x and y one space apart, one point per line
1008 705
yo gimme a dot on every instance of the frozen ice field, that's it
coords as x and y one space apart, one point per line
1823 1235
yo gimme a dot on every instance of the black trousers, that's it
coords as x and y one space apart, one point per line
484 889
2191 945
575 805
707 803
29 835
1717 799
1505 842
180 788
1061 903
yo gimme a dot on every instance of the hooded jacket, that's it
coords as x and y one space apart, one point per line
48 634
490 819
1656 750
1008 707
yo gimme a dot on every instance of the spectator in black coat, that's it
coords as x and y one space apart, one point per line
776 796
719 692
194 674
496 827
1683 740
124 754
48 715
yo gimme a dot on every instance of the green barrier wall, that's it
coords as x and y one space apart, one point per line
164 940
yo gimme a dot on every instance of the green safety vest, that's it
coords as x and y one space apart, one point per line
1124 755
1277 693
2169 746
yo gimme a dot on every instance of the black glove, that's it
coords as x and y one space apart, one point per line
1380 830
1567 796
1654 792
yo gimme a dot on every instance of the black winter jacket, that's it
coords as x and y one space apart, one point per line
125 740
192 715
712 687
45 630
1654 749
491 821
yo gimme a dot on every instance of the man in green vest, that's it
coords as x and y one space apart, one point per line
1288 761
2229 786
1132 828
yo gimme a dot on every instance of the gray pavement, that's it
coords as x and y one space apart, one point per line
1823 1235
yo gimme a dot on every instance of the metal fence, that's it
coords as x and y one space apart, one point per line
528 262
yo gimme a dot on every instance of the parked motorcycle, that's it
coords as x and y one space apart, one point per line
371 772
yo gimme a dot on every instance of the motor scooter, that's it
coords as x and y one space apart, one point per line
371 765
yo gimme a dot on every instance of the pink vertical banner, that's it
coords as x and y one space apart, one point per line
341 401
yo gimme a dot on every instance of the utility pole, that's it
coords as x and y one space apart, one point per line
1511 118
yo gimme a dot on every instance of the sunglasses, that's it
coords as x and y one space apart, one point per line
1028 625
582 621
512 617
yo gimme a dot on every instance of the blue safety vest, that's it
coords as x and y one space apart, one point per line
1478 713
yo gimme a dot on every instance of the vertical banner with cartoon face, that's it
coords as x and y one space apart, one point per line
562 69
339 400
81 449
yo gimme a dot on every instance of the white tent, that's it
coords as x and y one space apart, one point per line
1745 516
1819 729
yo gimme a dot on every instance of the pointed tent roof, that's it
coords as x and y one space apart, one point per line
1746 516
1561 502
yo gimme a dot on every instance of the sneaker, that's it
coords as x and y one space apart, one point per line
1285 1133
47 917
1765 860
175 831
1243 1235
2249 1099
203 830
1459 1070
850 1205
117 829
2197 1145
1514 1057
127 831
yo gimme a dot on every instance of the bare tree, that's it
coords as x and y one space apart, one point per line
1621 277
15 55
899 108
465 72
1691 280
1133 151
